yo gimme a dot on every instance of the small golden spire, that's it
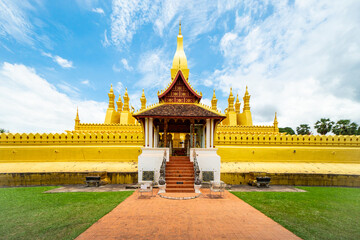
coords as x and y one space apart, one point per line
126 101
214 102
119 104
111 98
179 27
77 119
231 101
246 100
143 100
276 121
237 104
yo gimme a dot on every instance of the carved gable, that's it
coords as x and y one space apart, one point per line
179 92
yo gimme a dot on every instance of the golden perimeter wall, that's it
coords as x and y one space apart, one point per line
126 147
123 148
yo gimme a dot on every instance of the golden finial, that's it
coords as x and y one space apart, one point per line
179 27
77 119
77 113
276 121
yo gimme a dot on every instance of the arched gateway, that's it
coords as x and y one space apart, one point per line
178 126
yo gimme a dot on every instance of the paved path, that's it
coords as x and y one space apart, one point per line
201 218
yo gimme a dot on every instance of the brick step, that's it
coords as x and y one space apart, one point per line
174 182
179 179
188 190
179 185
179 161
179 168
175 170
178 176
179 157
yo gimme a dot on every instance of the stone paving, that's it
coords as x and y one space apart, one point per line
84 188
201 218
272 188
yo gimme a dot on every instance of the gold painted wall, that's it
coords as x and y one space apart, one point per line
74 147
126 147
307 154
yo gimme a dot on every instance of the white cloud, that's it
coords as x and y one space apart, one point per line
154 67
126 64
198 17
301 61
85 82
119 87
98 10
14 22
64 63
105 42
31 104
68 88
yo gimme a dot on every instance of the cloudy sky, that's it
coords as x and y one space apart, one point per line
300 59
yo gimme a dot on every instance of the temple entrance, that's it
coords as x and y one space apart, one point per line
179 135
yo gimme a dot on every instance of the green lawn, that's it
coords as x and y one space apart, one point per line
319 213
28 213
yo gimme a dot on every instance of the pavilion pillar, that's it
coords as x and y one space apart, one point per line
203 137
193 133
156 135
212 134
207 133
146 132
151 132
165 132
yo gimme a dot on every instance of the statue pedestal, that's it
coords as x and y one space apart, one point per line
197 188
162 188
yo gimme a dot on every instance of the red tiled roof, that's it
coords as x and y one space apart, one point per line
179 110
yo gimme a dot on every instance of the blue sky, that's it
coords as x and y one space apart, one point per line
299 58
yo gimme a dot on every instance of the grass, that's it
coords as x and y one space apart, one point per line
319 213
28 213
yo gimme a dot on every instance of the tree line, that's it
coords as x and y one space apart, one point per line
324 126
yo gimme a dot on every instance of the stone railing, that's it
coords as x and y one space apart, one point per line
224 129
127 138
298 140
196 170
116 127
162 171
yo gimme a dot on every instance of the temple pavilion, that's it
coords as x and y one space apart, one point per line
178 130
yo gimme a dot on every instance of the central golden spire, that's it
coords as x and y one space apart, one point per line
179 62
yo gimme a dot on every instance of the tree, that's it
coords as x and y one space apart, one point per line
287 130
344 127
323 126
303 129
3 130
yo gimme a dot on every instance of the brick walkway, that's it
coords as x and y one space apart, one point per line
201 218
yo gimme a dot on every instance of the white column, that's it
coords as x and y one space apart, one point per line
212 133
151 132
146 131
203 137
207 133
156 135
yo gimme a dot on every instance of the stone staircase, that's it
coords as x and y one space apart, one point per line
179 175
